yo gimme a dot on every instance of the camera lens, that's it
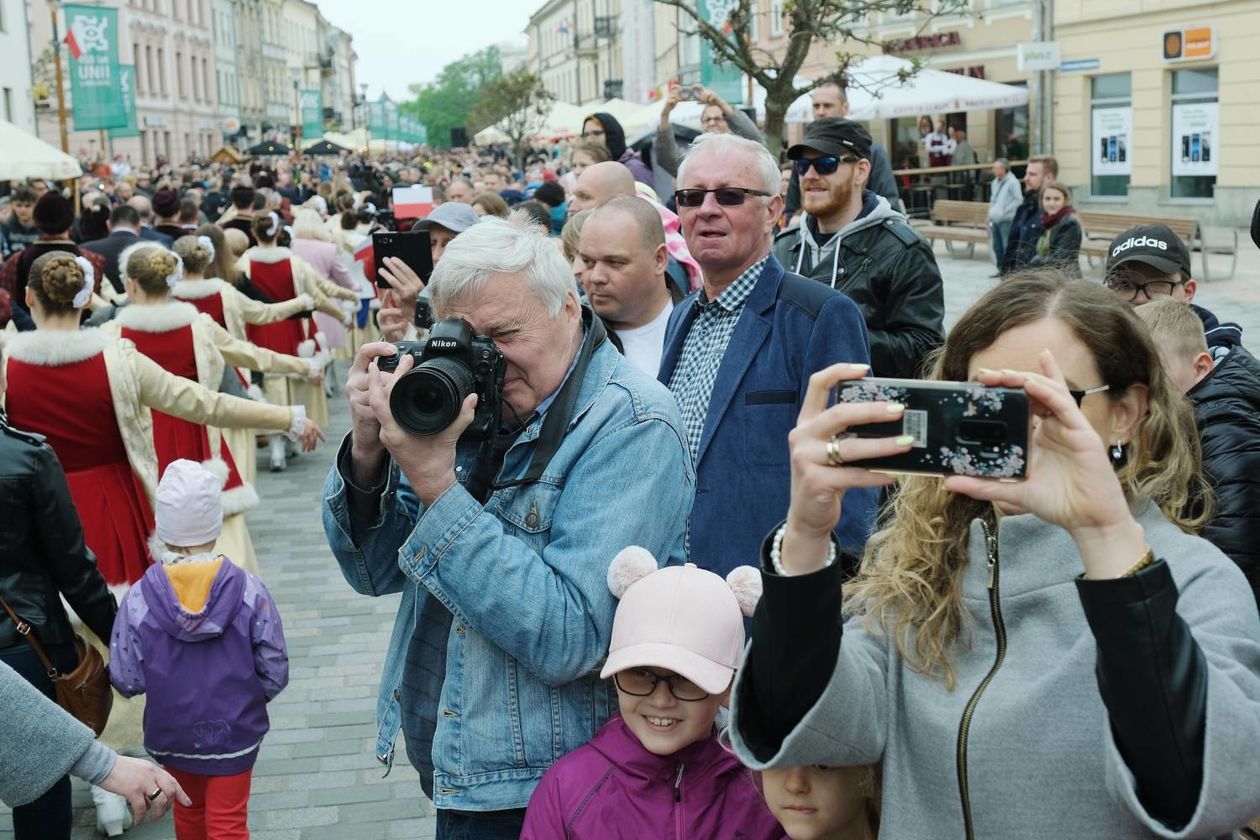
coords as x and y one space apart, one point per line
428 398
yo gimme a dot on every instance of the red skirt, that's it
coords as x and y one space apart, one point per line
175 438
116 519
280 337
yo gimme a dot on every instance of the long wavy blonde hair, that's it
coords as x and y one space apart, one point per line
910 581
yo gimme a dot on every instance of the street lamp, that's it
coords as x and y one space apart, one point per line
297 108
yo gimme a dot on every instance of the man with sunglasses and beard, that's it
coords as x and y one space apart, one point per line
739 353
851 240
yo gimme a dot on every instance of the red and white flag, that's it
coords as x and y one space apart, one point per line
73 43
363 253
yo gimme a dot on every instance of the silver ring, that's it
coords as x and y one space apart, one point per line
152 797
833 452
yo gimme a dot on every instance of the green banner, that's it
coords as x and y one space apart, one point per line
312 114
422 133
127 84
391 121
725 80
376 119
95 86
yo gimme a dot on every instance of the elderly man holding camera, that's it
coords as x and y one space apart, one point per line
497 518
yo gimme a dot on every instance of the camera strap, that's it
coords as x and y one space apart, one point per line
556 422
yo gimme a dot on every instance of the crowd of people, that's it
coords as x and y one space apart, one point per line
648 587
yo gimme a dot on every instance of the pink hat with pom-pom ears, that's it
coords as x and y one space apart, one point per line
681 618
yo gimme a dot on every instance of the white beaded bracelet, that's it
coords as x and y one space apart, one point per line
776 546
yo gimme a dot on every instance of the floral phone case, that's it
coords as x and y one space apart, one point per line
959 428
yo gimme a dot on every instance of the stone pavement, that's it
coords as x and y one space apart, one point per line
316 776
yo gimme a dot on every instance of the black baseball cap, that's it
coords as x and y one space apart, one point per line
834 136
1153 245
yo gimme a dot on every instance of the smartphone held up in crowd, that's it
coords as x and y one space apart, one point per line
959 428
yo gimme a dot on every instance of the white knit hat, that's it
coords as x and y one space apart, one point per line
189 507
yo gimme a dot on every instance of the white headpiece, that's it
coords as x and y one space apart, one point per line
274 228
89 284
207 243
175 276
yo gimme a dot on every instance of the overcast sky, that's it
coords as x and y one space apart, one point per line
401 42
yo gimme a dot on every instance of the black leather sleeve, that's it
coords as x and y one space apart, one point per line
1153 680
795 643
59 534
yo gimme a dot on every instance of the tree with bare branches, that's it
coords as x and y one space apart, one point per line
518 104
835 23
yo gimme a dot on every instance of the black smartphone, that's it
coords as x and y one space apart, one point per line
959 428
412 248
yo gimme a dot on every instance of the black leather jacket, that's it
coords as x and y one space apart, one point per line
42 554
889 271
1227 412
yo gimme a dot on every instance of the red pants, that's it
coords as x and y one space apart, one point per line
219 808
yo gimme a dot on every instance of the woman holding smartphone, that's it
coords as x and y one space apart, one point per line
1056 657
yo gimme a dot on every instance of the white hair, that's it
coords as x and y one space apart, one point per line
722 145
496 246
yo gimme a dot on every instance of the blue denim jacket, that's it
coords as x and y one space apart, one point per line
525 578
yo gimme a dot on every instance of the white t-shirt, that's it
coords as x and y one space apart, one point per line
645 345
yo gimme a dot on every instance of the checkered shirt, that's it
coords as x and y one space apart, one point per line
702 351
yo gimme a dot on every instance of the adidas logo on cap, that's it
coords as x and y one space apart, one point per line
1139 242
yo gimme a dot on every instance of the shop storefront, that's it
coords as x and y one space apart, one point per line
1155 114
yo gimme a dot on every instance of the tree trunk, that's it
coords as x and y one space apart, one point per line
777 103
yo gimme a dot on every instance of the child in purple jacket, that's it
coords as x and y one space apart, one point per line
657 769
202 638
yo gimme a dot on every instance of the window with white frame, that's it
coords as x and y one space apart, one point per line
776 18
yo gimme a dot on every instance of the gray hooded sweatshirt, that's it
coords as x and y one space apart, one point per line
1040 754
813 254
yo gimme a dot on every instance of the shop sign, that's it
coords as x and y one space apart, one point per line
1113 141
1190 44
1037 55
919 43
1195 129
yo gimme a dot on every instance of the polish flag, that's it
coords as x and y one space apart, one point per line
73 43
363 254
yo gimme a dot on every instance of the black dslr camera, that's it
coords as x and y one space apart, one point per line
452 364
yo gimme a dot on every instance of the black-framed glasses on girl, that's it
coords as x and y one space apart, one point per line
640 682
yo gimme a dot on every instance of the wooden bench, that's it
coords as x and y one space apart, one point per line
957 221
1101 228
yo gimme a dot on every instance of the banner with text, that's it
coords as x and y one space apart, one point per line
376 119
312 114
95 86
726 80
127 84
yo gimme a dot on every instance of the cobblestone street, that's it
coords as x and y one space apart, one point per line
316 776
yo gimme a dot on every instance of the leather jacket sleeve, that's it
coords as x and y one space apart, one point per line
796 633
1153 679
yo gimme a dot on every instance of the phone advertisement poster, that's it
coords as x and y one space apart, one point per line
1112 146
1195 129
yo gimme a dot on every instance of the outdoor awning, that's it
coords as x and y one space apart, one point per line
876 92
26 156
324 148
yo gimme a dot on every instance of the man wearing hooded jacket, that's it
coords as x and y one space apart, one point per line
602 129
852 240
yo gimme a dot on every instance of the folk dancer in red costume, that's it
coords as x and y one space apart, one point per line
233 310
190 344
280 275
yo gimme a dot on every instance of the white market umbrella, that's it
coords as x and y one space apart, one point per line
489 137
876 91
800 111
26 156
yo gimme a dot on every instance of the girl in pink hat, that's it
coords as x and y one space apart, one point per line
657 767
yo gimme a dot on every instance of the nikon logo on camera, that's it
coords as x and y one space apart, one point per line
443 343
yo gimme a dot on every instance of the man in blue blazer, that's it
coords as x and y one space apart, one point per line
739 354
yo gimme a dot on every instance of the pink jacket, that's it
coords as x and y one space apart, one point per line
613 787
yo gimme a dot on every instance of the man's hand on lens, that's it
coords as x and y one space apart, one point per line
428 461
367 454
